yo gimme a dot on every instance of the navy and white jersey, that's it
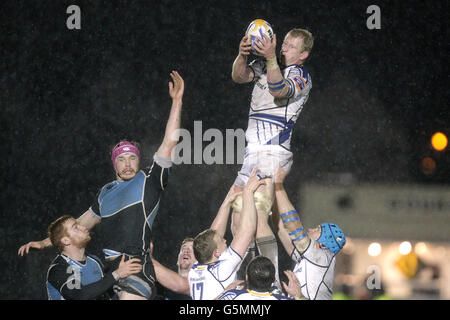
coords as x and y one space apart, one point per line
68 279
271 120
314 270
207 281
127 210
247 294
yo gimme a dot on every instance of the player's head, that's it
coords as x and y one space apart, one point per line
186 258
260 274
296 47
66 231
208 246
125 157
331 237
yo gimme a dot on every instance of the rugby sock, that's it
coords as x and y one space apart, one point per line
267 247
249 255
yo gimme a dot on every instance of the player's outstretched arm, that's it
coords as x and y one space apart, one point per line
289 218
241 72
171 136
221 220
25 249
87 219
170 279
247 224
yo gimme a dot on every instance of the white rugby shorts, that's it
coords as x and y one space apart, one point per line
267 158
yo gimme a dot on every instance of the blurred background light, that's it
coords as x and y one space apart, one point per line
420 248
374 249
439 141
428 165
405 247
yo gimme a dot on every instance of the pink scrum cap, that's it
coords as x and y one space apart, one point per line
124 147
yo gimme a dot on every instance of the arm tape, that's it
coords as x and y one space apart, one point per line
299 238
275 83
277 88
291 219
288 213
298 230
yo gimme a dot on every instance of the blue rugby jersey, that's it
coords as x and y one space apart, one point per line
127 210
68 279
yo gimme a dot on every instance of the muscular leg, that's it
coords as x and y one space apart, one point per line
265 238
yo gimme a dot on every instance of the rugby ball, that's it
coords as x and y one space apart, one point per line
257 28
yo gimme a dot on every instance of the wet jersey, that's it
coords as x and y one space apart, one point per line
314 270
127 210
271 120
68 279
207 281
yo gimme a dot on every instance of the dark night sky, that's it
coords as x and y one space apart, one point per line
68 95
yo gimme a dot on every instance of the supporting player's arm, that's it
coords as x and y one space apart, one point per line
87 219
172 135
221 220
170 279
241 72
290 222
247 223
71 289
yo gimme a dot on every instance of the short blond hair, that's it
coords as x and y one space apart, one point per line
308 39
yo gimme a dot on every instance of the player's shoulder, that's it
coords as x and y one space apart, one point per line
297 69
95 258
197 267
321 257
108 187
58 265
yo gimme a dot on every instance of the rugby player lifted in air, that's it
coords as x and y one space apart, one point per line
278 97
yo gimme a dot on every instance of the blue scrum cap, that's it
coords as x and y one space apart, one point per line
332 237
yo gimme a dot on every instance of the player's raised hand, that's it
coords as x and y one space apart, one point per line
254 181
233 193
33 244
176 88
266 47
245 46
293 287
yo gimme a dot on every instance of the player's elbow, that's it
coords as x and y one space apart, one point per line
237 79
